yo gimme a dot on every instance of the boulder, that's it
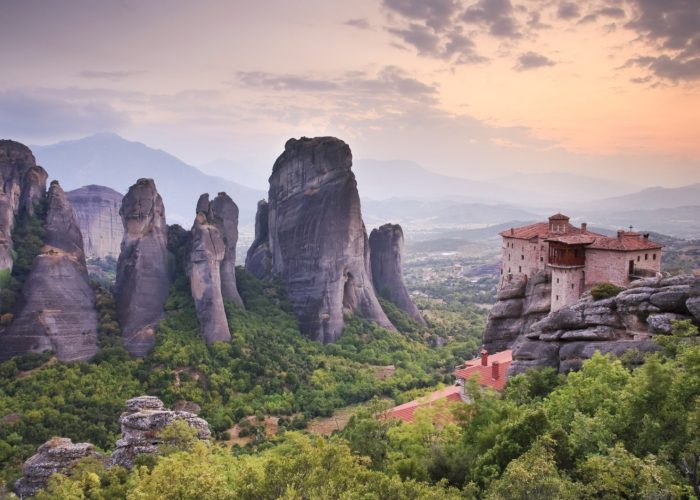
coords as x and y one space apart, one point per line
386 256
317 240
573 354
141 424
672 299
529 354
57 311
23 186
509 308
143 277
58 455
663 323
513 288
97 212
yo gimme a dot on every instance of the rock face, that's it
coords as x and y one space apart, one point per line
212 262
55 456
97 212
521 302
22 184
317 241
143 277
386 252
144 418
630 320
258 261
57 310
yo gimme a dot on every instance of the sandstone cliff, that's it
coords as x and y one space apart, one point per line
211 266
630 320
57 309
22 184
386 256
97 212
143 277
259 259
316 238
521 302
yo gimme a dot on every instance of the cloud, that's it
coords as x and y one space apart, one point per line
360 23
673 28
37 115
496 15
535 23
436 14
424 40
568 11
109 75
532 60
273 81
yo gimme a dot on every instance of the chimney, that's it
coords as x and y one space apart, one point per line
512 230
646 236
584 227
495 368
484 357
620 232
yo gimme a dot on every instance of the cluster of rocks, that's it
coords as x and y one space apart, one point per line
141 423
521 302
565 338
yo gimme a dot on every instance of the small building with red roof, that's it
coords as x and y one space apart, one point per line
575 258
488 371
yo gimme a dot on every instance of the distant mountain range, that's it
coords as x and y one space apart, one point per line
109 160
653 198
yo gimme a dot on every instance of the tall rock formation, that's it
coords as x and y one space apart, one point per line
143 277
567 337
57 310
97 212
386 252
22 185
521 302
212 264
259 259
316 238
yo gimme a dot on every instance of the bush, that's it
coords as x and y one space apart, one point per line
605 291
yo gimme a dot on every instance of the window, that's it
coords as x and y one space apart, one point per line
509 270
520 269
522 257
508 256
541 259
572 286
646 256
557 280
557 298
639 258
654 256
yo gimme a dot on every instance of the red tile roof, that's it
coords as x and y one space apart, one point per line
559 216
627 242
537 230
483 374
406 411
576 239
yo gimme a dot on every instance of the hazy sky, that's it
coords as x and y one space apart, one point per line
470 88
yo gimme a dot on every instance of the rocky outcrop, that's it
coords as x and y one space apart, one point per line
143 277
566 338
386 256
22 185
521 302
57 310
57 455
258 260
316 238
141 423
211 266
97 212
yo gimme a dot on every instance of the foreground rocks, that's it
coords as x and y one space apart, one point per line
143 269
23 186
141 423
566 338
57 310
212 262
386 251
97 212
144 418
521 302
57 455
316 241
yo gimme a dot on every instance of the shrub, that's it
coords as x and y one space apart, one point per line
605 291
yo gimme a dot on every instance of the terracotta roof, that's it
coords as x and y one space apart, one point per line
483 374
626 243
559 216
576 239
406 411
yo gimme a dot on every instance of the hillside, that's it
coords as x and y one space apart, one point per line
109 160
652 198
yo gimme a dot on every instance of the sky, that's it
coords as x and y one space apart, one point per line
479 89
